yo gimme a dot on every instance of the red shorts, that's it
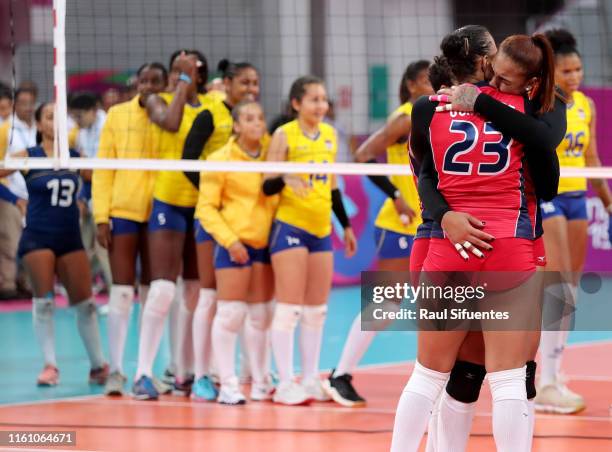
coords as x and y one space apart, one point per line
508 254
539 253
418 254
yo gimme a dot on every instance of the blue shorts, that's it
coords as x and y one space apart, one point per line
222 257
121 226
201 235
392 245
571 205
59 244
284 236
167 216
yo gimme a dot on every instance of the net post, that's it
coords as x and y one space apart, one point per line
61 154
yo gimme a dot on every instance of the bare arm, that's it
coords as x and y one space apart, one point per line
396 128
592 159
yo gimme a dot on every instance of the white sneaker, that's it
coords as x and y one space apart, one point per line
314 389
558 398
261 391
291 393
230 393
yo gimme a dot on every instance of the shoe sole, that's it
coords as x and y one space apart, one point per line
202 399
143 397
336 397
304 403
242 402
47 384
558 410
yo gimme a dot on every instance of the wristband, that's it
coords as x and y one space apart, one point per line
185 78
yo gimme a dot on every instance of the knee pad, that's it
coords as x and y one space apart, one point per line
260 316
120 299
508 384
231 315
43 308
86 308
530 373
426 382
286 316
161 295
313 317
207 300
465 381
190 293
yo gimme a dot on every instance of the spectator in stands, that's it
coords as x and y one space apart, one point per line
6 103
110 97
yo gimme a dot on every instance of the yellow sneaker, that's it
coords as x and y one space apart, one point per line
558 398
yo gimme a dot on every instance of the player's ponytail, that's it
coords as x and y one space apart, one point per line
464 47
547 73
410 75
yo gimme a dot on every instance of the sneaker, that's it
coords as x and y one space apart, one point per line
162 387
262 391
114 384
182 387
341 389
204 390
314 389
291 393
230 394
98 376
48 377
168 377
558 398
144 389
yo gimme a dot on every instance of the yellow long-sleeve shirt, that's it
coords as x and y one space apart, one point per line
232 206
128 194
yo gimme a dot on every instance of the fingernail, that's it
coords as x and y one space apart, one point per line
483 223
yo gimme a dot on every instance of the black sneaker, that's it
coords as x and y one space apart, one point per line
182 387
168 377
342 391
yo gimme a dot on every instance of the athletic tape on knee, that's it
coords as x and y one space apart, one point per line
260 315
530 375
286 316
465 381
161 295
426 382
313 317
231 314
43 308
120 299
190 295
508 384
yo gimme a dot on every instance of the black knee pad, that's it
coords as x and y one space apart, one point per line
530 380
465 381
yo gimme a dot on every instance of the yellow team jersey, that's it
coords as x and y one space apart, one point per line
173 187
571 151
232 206
127 133
313 212
397 154
223 126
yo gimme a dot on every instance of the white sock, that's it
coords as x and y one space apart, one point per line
89 330
286 317
356 345
156 309
119 311
311 336
143 293
226 325
531 411
510 411
173 327
432 427
42 320
415 407
188 303
202 330
454 424
244 361
256 339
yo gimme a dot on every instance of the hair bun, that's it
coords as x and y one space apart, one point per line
223 65
561 40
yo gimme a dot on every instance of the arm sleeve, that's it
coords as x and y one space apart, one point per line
7 195
102 180
338 208
201 130
208 209
383 183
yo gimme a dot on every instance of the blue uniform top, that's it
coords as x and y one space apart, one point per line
52 206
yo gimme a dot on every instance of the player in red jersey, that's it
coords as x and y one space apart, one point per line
465 167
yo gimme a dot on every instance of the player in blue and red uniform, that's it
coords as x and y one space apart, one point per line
481 174
51 246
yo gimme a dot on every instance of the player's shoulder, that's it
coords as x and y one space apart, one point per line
327 129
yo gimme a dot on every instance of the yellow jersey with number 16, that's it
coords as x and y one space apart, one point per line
572 149
311 213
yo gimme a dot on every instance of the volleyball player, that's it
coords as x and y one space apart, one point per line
210 131
233 208
300 241
170 226
121 207
51 246
565 218
396 223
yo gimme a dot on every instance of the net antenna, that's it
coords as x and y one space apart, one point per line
61 153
